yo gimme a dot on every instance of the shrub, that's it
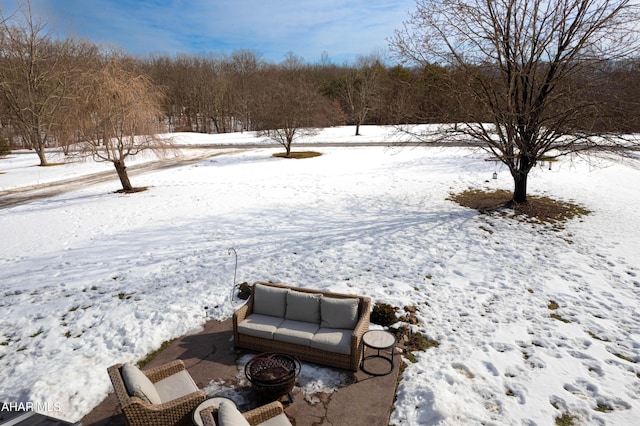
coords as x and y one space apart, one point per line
384 314
244 291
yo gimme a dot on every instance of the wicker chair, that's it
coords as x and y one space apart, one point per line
138 412
254 417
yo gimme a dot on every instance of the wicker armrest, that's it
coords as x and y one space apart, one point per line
240 315
158 373
141 413
264 413
363 323
206 414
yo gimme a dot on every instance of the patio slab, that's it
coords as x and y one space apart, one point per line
209 356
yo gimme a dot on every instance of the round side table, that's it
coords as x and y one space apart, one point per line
213 402
379 340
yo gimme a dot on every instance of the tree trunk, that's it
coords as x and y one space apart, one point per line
42 157
520 189
122 174
287 146
520 180
358 128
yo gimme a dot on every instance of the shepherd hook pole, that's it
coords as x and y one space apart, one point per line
235 270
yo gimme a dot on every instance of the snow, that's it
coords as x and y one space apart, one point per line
91 278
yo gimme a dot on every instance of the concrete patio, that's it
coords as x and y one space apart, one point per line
212 361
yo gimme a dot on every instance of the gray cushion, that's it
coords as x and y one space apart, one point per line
298 332
339 313
260 325
279 420
138 384
332 340
228 415
176 386
303 306
269 300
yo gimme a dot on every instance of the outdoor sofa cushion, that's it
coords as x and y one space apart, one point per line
279 420
270 301
332 339
297 332
175 386
301 318
303 306
339 313
258 325
228 415
271 414
138 384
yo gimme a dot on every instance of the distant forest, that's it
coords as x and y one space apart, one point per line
44 86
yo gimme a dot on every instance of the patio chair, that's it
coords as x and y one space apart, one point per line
271 414
161 396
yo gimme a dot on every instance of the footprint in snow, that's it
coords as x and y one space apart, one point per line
491 368
606 404
594 367
579 355
535 362
502 347
513 371
516 391
623 366
463 369
602 403
582 389
558 403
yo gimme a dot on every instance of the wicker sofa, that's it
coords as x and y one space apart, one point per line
319 327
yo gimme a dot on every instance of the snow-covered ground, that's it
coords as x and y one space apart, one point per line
91 278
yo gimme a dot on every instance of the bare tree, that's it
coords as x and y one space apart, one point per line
37 78
359 87
123 111
525 63
288 106
244 68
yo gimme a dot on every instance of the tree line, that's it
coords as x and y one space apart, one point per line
242 93
69 93
46 80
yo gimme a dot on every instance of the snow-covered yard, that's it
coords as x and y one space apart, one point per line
91 278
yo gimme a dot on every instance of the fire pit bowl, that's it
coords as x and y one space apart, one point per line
273 374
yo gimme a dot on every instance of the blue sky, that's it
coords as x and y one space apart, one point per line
344 29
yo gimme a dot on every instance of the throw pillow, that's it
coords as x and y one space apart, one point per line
138 384
303 306
339 313
228 415
269 300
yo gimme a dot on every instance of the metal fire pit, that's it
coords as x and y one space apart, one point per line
273 374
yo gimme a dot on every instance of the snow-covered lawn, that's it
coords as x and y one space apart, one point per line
91 278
